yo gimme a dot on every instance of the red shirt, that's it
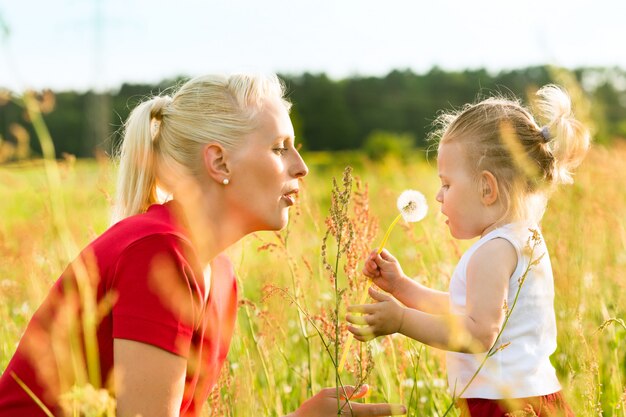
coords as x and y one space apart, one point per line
149 287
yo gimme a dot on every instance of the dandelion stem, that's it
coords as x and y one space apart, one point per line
387 233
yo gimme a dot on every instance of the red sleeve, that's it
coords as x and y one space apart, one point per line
157 299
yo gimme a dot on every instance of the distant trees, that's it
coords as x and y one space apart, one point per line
353 113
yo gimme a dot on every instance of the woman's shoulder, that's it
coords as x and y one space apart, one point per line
157 220
153 229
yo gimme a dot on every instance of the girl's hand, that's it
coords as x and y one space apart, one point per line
384 270
382 318
324 404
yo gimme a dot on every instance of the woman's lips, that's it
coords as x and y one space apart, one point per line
290 197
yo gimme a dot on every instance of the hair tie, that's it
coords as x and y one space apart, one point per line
155 124
545 134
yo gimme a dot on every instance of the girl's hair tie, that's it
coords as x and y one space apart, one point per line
545 134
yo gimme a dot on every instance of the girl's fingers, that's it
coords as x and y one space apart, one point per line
362 332
378 296
387 256
371 273
360 320
372 265
362 308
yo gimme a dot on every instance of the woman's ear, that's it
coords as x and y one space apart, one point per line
215 161
489 188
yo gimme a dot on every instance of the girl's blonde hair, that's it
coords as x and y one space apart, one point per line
501 136
172 130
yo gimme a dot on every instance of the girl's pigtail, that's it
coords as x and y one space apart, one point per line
567 138
136 184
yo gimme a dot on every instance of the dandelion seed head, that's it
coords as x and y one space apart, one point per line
412 205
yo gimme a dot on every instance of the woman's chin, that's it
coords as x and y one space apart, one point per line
284 220
278 223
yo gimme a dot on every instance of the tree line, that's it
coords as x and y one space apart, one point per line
351 113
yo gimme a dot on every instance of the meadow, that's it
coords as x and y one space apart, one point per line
284 343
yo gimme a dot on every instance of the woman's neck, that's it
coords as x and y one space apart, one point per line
210 228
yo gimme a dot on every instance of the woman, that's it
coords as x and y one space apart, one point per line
155 297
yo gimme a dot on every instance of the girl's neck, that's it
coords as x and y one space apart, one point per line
492 227
502 221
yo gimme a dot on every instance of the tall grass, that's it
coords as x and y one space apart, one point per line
277 359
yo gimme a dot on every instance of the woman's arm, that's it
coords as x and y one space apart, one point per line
324 404
149 381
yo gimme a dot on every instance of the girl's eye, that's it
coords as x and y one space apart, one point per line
445 187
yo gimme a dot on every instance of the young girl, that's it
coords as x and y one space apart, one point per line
497 166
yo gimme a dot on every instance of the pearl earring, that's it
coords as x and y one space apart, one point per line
225 181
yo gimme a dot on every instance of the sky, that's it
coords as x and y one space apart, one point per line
84 44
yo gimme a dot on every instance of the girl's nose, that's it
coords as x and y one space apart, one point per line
439 197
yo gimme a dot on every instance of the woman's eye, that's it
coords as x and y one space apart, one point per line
280 150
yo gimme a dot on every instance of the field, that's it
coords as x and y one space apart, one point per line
277 358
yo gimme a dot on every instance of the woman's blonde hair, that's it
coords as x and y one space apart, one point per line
501 136
172 130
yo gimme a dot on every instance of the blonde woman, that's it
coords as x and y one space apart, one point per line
164 295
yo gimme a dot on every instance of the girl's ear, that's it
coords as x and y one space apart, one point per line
215 161
489 188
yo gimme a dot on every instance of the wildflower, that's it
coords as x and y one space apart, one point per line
413 208
87 401
503 346
505 307
412 205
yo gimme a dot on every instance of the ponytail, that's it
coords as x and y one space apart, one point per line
136 184
568 139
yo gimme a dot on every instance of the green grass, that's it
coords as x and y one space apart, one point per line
272 367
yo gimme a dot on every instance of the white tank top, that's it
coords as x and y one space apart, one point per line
523 368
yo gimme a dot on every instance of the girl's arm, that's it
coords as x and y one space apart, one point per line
417 296
386 273
488 274
149 381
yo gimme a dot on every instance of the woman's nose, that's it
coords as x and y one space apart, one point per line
299 168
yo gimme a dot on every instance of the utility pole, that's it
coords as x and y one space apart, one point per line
98 106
